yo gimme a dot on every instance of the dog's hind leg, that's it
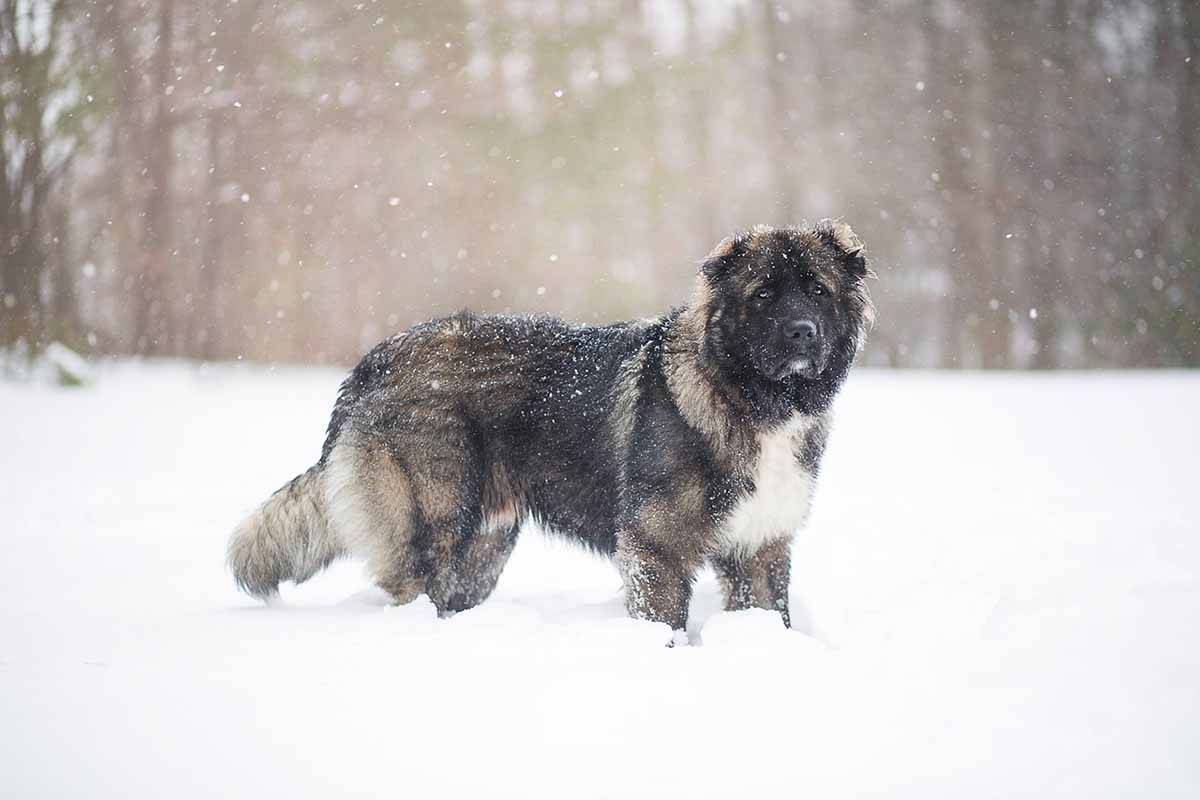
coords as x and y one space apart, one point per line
370 500
415 512
479 557
479 562
450 541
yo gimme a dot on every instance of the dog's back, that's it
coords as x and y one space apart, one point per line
443 440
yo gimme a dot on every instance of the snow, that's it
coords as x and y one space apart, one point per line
69 367
999 592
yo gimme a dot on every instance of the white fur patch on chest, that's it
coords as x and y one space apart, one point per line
782 495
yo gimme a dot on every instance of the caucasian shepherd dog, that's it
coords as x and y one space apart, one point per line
667 443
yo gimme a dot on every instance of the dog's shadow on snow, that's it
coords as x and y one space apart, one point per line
343 590
529 611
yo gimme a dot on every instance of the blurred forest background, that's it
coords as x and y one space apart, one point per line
294 180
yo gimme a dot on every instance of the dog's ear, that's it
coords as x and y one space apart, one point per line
719 260
842 238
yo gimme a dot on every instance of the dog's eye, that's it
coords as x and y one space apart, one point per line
764 294
818 289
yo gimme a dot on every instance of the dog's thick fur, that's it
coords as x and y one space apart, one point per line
694 437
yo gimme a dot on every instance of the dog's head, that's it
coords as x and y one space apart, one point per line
789 303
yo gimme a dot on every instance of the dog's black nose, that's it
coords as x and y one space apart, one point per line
800 329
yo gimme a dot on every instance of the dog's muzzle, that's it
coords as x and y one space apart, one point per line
802 350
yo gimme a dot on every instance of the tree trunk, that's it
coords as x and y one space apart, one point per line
153 323
122 187
699 113
208 321
28 72
64 298
781 154
1189 119
1046 252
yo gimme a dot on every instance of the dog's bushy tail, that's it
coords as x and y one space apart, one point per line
286 538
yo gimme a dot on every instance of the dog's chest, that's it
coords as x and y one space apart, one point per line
779 501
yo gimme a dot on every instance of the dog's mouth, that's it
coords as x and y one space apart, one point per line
807 367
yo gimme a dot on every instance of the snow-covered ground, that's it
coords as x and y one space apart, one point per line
999 593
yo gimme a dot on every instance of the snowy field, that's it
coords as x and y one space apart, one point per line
999 596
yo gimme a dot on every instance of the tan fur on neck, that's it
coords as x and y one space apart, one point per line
701 405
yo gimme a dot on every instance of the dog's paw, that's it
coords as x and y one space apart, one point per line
679 638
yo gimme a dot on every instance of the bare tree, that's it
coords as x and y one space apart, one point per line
42 123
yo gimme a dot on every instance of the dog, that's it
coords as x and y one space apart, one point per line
692 438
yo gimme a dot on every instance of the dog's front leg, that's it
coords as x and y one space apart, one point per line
757 580
658 580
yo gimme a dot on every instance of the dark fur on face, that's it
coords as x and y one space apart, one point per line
789 312
695 437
